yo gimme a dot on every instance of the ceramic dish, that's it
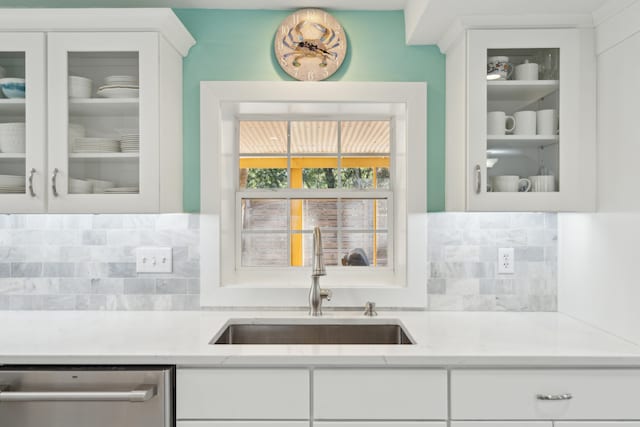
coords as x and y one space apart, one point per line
12 137
79 87
119 92
119 80
13 87
12 181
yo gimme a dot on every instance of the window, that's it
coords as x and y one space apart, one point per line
277 158
297 174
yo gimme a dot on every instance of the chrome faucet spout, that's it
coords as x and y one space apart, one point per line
317 294
318 258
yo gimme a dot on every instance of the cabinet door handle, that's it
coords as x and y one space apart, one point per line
54 189
565 396
32 193
478 175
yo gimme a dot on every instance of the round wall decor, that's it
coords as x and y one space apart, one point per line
310 44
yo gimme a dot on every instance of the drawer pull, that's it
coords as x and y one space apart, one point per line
566 396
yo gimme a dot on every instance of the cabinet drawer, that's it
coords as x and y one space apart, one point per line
384 394
596 394
379 424
243 424
502 424
242 394
597 424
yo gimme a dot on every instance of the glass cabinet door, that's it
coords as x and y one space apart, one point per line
523 119
103 104
22 124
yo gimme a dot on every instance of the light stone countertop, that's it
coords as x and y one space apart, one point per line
181 338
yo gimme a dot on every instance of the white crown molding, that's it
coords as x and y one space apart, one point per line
161 20
610 9
616 25
464 23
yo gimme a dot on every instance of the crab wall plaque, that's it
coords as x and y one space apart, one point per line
310 44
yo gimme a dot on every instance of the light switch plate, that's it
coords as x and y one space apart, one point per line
154 260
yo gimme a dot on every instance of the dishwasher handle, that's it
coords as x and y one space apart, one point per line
141 393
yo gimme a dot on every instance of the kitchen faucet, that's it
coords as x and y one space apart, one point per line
316 294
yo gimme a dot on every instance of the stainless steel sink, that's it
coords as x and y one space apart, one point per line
312 333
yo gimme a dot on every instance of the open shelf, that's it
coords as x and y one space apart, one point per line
520 90
520 141
94 156
14 106
104 106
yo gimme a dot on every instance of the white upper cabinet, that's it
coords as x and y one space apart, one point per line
22 123
103 112
521 121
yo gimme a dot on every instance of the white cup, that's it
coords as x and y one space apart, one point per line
499 68
527 71
525 123
509 183
543 183
547 122
497 123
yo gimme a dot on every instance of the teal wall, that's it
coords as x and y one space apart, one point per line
238 45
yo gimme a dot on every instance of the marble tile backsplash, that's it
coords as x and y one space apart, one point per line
463 253
87 262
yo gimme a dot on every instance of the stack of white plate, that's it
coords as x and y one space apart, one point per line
12 184
96 145
130 143
122 190
80 186
119 87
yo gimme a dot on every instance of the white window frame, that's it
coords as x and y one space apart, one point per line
222 284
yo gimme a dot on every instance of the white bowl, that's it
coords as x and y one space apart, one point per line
99 186
80 186
79 87
12 137
118 92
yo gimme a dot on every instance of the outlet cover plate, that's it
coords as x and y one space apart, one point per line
506 261
154 260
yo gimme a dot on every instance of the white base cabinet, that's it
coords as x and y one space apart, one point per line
243 424
407 397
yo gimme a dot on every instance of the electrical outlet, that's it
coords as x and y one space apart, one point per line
506 261
154 260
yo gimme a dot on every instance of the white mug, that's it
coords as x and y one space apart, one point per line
509 183
547 122
525 123
527 71
497 123
499 68
543 183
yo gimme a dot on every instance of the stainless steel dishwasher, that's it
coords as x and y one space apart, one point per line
87 396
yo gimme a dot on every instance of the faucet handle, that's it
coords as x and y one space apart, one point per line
370 309
326 294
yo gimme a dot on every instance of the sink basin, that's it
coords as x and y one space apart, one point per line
274 332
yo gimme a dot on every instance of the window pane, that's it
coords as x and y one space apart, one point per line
320 178
314 137
329 248
264 214
357 214
265 250
357 178
258 137
365 136
256 178
382 249
382 207
319 212
383 178
357 249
